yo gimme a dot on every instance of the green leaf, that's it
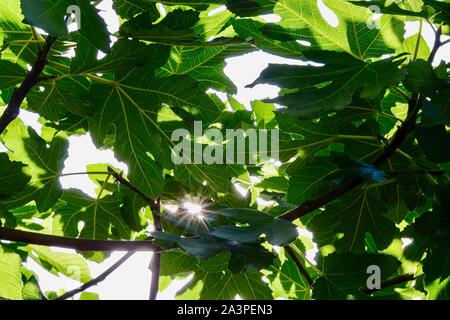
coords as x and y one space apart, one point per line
301 139
90 218
69 264
346 221
201 248
10 276
287 281
175 263
175 28
10 74
409 45
390 7
130 106
12 177
250 29
125 54
44 165
434 142
203 64
31 291
331 87
51 17
302 20
225 286
345 274
340 104
422 79
12 30
55 99
277 233
128 9
89 296
310 180
442 10
244 215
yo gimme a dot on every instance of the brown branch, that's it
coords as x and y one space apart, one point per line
76 244
119 178
96 281
13 109
299 265
404 130
155 206
389 283
155 267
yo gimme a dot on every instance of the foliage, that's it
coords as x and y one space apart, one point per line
364 146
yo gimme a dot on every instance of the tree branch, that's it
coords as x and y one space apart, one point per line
76 244
155 206
437 44
407 127
13 109
155 265
119 178
96 281
389 283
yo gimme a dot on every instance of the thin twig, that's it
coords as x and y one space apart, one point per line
389 283
119 178
401 93
96 281
13 109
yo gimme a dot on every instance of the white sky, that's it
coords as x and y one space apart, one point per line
131 281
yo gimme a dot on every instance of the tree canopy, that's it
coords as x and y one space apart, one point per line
363 128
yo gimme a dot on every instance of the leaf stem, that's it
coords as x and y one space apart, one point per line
301 254
401 93
84 173
299 265
419 37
